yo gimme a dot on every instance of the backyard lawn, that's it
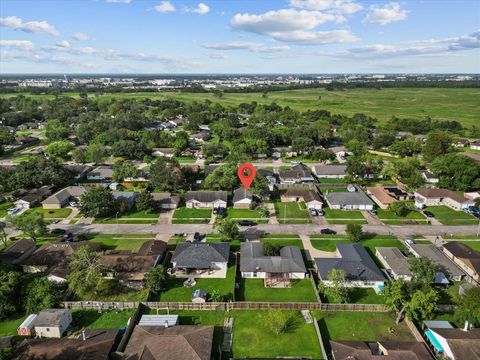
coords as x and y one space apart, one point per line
362 296
9 326
93 319
121 241
254 290
361 326
390 218
344 216
191 216
252 338
175 291
291 213
448 216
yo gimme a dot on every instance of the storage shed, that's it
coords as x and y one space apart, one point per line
26 328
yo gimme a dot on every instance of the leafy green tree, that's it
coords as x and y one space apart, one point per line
469 307
9 285
406 147
40 294
98 202
86 273
397 297
55 130
215 296
166 175
222 178
278 321
354 232
3 233
423 270
124 170
32 224
423 304
437 144
144 201
59 149
156 279
260 186
227 228
6 138
271 249
399 208
337 291
457 172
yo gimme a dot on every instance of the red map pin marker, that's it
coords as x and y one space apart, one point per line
246 173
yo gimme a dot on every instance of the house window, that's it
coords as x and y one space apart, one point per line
254 274
48 329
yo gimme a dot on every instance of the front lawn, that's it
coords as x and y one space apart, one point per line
93 319
184 213
475 245
243 214
344 216
361 326
51 213
291 213
326 244
252 338
448 216
389 217
121 241
175 291
253 290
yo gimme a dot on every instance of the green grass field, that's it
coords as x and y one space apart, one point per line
344 216
4 207
254 290
121 241
9 326
51 213
184 213
243 214
390 218
448 216
440 104
92 319
291 213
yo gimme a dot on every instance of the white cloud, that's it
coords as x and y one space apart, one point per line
417 48
296 26
201 9
18 44
81 36
250 46
335 6
164 7
119 1
385 15
217 55
16 23
64 44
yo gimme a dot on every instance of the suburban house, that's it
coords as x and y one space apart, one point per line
471 155
277 271
201 259
270 176
126 197
52 323
384 195
101 173
163 152
433 197
242 198
92 344
461 143
393 350
475 145
201 136
52 259
340 152
465 257
165 200
429 177
310 197
79 170
330 171
357 200
297 174
33 197
444 265
359 267
193 342
452 343
395 262
206 199
63 197
17 251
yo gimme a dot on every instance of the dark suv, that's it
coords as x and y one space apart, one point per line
246 223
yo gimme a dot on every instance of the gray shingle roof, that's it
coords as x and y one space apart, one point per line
252 259
65 194
395 259
49 317
348 198
442 262
356 262
206 196
200 255
330 169
242 193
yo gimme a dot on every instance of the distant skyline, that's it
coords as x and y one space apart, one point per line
230 36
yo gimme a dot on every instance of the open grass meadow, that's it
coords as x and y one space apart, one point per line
10 325
440 104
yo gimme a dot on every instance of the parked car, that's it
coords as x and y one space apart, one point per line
58 231
197 236
409 242
73 204
428 214
313 212
328 232
373 212
220 212
246 223
67 237
320 212
12 210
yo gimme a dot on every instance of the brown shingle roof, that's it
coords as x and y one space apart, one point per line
128 267
381 194
463 344
438 193
175 343
391 350
307 195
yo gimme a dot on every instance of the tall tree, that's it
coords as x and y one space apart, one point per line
437 143
423 270
9 285
469 307
144 201
32 224
98 202
337 291
227 228
40 294
166 175
354 232
3 233
156 279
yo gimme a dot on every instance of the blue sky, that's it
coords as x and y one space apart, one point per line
231 36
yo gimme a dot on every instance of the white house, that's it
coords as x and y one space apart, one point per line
52 323
242 198
475 145
206 199
330 171
310 197
434 197
349 201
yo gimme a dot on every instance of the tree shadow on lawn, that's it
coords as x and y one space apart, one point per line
85 318
322 325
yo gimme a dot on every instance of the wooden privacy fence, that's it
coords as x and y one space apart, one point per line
225 306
